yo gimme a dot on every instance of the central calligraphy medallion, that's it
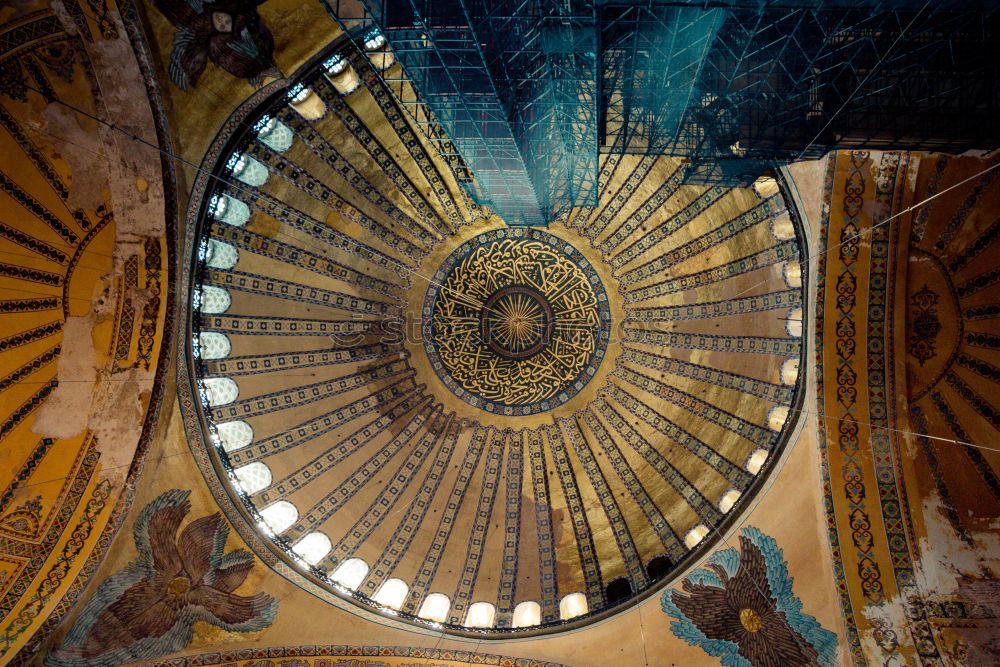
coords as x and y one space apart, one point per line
516 321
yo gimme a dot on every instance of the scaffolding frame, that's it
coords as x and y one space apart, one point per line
775 81
530 92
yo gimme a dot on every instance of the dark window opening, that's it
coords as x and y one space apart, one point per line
658 567
618 590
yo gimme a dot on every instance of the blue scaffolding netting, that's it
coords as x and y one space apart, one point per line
530 92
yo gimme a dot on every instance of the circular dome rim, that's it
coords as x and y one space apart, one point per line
243 515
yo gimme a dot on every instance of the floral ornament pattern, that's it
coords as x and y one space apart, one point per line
149 608
230 33
740 607
926 324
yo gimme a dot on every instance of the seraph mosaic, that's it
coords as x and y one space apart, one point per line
740 608
230 33
148 609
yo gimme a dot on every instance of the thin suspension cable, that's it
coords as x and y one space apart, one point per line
868 230
242 189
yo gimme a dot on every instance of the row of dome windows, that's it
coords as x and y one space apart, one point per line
279 516
279 137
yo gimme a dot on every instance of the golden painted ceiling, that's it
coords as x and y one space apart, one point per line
408 393
278 391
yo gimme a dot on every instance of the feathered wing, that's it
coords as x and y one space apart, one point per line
188 59
247 52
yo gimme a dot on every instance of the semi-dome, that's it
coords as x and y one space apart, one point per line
492 428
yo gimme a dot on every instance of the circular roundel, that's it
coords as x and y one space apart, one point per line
516 321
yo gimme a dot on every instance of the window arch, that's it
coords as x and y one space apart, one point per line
527 614
756 461
480 615
695 536
573 605
378 51
279 516
790 371
782 227
435 608
276 135
253 477
777 417
306 102
234 434
248 170
765 187
728 499
792 271
229 210
215 299
793 323
658 567
618 590
392 593
222 255
351 573
214 345
341 75
220 390
313 547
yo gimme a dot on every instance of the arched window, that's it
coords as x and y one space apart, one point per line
220 390
765 187
341 75
214 299
793 273
480 615
790 371
658 567
222 255
782 227
435 608
253 477
527 614
313 547
228 210
307 103
378 51
214 345
777 417
793 323
279 516
276 135
728 499
247 169
573 605
392 593
234 434
351 573
695 536
756 461
618 590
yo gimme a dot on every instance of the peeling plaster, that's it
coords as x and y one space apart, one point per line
947 568
945 560
84 153
66 412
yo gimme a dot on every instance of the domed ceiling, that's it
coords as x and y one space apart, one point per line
488 428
